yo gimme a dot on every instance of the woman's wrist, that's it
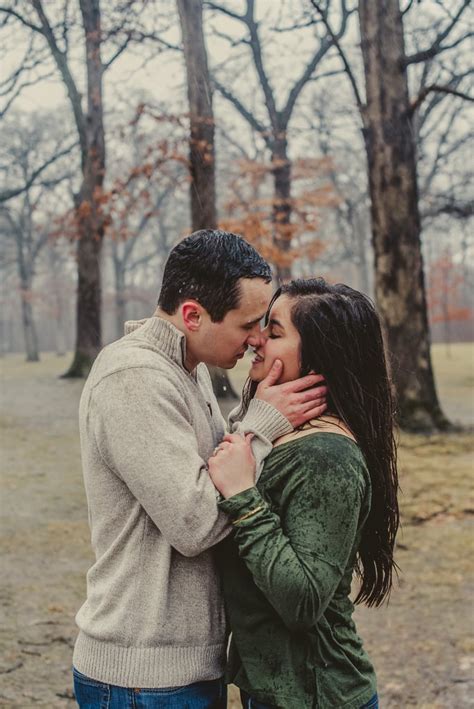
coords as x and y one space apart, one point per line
237 490
236 506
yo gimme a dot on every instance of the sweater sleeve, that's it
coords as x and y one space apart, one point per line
144 434
298 557
265 422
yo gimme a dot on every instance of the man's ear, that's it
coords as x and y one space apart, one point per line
192 312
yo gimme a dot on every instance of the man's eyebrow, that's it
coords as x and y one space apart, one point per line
254 322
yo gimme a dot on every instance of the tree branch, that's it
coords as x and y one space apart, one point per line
117 53
5 195
61 62
437 46
23 20
244 112
460 210
224 10
439 89
302 81
19 89
258 61
335 40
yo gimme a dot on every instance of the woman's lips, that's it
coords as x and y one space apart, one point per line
257 359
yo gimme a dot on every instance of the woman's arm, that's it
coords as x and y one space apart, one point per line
297 560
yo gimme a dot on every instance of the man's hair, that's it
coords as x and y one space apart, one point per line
206 266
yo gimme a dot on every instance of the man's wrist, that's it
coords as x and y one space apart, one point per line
265 420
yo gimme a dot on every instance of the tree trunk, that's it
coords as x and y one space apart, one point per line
281 170
360 230
58 303
201 142
90 224
120 300
29 327
399 279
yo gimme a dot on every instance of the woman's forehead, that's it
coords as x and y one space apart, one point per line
281 308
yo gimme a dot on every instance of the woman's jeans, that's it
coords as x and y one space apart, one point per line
249 703
91 694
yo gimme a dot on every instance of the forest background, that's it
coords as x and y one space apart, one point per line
336 137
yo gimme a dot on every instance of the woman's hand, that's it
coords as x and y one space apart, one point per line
232 465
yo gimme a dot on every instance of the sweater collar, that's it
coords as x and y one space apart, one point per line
164 335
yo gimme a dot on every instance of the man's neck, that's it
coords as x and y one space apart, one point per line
190 362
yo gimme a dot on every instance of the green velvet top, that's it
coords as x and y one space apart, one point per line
287 573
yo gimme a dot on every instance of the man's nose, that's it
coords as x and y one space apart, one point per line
256 339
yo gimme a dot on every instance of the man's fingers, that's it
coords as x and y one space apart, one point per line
249 437
312 394
310 380
314 413
232 438
273 375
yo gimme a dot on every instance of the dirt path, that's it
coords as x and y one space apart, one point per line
421 644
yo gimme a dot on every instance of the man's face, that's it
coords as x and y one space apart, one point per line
223 343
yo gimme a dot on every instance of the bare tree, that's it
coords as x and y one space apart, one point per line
25 224
274 130
201 142
350 214
389 140
201 117
124 27
124 251
90 130
19 228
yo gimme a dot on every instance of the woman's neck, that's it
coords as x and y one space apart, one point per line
324 424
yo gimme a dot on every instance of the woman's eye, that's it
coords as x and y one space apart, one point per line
273 337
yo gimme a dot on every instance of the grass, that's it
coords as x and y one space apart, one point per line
421 643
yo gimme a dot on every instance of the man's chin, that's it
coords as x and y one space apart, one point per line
225 365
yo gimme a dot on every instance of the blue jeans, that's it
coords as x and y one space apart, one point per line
91 694
373 703
249 703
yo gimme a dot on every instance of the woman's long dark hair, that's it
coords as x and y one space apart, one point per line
341 338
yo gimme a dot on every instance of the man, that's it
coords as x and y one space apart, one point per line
152 630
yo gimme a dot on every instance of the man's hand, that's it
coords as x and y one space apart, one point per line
299 401
232 465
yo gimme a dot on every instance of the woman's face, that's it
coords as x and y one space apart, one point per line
280 341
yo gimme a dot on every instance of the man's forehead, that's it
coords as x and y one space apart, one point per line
255 296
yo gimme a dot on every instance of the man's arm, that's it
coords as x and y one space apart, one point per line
144 434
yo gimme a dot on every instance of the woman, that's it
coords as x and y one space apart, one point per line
325 505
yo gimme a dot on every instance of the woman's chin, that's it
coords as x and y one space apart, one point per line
256 374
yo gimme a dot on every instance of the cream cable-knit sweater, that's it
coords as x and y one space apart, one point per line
154 615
